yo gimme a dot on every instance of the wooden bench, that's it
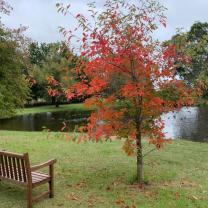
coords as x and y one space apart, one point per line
16 168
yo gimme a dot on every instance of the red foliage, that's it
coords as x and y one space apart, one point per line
54 89
122 46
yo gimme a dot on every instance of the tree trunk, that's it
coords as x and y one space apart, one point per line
53 100
140 170
57 102
138 121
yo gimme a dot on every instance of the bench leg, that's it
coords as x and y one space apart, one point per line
51 182
29 197
51 188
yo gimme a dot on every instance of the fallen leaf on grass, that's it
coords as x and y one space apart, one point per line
177 195
93 200
120 202
115 183
73 197
69 185
187 183
194 197
108 188
81 185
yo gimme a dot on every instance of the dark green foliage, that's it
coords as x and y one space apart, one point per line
170 93
192 44
13 85
198 31
53 59
38 53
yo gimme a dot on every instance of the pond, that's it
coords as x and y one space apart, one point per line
50 120
188 123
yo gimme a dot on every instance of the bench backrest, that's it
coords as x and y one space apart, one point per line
14 167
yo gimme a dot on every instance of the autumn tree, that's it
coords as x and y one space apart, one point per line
117 46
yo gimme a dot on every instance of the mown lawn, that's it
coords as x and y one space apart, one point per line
51 108
101 175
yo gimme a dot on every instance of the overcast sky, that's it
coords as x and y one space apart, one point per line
43 20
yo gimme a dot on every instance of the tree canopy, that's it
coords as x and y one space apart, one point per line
194 46
13 84
14 88
119 44
52 61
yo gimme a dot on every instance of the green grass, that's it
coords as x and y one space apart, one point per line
101 175
50 108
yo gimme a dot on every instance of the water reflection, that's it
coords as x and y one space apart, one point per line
188 123
53 121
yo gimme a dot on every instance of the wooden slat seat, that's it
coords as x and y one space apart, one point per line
38 178
16 168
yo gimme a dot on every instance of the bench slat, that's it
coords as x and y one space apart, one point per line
6 165
19 169
10 168
2 165
23 170
15 168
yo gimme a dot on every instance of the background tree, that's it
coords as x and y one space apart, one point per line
5 8
51 63
37 56
193 45
119 43
13 84
38 53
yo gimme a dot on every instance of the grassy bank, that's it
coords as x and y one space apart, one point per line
101 175
51 108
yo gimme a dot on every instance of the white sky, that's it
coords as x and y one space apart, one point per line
43 20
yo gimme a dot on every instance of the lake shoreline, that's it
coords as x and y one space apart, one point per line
47 108
188 123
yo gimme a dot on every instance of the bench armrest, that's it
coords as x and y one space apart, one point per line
46 164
